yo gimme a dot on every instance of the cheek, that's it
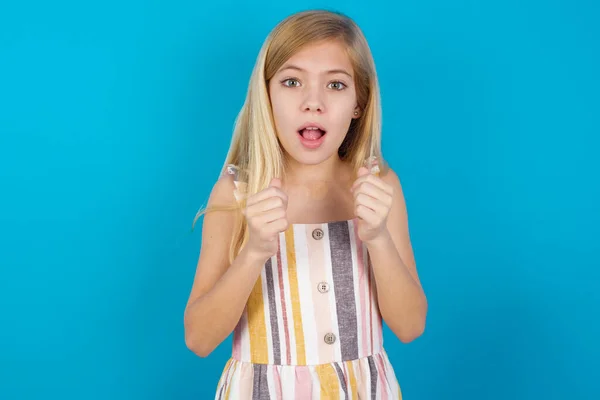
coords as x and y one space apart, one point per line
279 105
343 112
278 110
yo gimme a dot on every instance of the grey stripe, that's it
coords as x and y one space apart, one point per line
373 378
273 312
342 379
221 391
343 284
260 388
225 377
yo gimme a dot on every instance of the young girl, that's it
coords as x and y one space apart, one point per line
306 245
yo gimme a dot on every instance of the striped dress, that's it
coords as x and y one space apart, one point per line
311 328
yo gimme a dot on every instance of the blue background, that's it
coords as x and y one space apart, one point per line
115 118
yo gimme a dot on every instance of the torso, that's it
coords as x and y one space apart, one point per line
311 328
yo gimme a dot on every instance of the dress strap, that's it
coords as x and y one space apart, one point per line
239 181
372 164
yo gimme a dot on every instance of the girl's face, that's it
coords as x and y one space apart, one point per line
314 100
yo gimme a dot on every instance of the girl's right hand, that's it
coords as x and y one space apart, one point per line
266 215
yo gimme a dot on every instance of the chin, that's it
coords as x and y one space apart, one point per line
305 157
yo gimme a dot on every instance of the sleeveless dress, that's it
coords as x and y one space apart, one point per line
311 328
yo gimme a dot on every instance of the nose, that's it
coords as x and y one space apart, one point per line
313 101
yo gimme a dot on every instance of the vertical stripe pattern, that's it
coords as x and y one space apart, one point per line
311 328
260 388
276 348
343 281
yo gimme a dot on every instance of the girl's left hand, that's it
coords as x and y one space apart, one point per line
372 204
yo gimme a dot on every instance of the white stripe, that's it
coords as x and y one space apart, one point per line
366 373
245 337
309 324
234 380
337 350
267 313
232 371
374 315
288 301
316 384
367 295
353 248
341 383
288 383
396 390
270 382
349 385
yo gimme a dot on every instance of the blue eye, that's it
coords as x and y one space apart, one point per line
287 81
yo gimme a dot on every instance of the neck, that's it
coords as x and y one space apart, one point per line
331 170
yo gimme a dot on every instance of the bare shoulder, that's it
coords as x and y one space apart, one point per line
220 217
222 191
391 178
217 231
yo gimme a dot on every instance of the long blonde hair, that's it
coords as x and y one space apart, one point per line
254 147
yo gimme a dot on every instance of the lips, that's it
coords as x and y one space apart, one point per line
311 125
312 131
311 135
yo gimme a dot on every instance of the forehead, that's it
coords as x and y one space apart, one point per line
322 56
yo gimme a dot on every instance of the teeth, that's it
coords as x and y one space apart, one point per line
311 128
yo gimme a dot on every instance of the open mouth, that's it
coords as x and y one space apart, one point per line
311 133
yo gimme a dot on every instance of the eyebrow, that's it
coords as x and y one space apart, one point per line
331 71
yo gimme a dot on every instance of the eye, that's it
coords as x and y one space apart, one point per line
337 85
290 82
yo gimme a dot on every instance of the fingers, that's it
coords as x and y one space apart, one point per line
369 202
371 190
372 180
362 171
273 190
275 182
280 224
265 205
266 211
367 214
271 215
269 224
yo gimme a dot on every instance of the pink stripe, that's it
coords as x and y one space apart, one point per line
237 340
383 380
277 379
346 376
231 375
371 278
379 323
225 378
362 290
283 308
377 315
303 383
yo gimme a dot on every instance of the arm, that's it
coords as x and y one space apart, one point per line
220 290
401 298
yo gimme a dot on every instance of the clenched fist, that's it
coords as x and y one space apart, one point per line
266 215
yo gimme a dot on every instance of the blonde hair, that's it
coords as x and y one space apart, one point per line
255 148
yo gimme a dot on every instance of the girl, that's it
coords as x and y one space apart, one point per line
306 248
